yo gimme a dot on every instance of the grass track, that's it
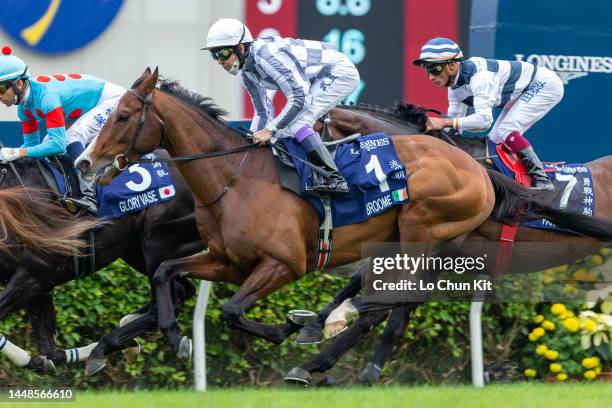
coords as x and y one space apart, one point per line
525 395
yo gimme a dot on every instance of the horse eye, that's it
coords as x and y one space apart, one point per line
124 117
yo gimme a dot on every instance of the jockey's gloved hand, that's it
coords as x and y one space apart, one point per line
8 154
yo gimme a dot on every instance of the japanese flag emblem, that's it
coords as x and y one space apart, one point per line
167 191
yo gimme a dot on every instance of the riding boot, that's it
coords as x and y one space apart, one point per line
533 165
87 201
318 154
522 148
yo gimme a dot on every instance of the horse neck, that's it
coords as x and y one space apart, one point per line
365 122
188 132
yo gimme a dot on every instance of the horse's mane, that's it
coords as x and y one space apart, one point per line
402 111
203 104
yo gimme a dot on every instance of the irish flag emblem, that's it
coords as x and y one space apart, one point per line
167 191
400 195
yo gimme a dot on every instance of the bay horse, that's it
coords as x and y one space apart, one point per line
410 119
262 237
143 239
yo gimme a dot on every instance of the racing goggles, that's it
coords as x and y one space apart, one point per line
222 54
434 69
4 86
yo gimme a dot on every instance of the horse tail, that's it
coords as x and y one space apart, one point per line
30 218
514 202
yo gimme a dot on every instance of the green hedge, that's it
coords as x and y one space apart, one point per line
435 348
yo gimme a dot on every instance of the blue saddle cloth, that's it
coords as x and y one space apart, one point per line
573 184
137 188
376 176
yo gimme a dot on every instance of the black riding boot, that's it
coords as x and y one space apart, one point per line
334 185
87 201
533 165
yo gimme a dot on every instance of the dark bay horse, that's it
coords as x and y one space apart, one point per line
143 239
408 119
263 237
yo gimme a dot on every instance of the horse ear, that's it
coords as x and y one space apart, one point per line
146 72
150 81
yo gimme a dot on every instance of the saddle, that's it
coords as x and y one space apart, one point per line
285 168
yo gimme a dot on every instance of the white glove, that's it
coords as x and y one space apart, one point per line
8 154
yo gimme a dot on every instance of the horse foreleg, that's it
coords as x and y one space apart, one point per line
394 331
312 333
17 292
202 266
269 275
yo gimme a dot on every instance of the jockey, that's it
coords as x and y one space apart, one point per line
525 91
83 100
313 76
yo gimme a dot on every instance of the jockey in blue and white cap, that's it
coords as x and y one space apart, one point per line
73 108
524 91
313 76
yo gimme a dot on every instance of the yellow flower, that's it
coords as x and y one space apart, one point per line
538 331
572 324
548 325
555 367
530 372
538 319
597 259
541 349
605 251
532 337
566 314
589 325
548 279
558 308
590 362
589 375
598 370
551 354
561 377
561 269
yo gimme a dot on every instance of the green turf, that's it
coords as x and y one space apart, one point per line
523 395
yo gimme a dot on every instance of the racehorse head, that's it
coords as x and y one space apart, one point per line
133 129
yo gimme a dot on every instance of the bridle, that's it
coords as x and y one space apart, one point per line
147 101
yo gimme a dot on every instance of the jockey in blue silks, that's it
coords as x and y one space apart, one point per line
83 101
524 91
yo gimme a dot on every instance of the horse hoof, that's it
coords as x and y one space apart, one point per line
94 365
41 364
48 366
298 376
309 335
131 353
185 348
301 317
370 375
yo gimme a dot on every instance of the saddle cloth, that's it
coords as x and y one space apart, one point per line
138 187
376 177
573 184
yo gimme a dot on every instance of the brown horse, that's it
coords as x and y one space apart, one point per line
263 237
409 119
